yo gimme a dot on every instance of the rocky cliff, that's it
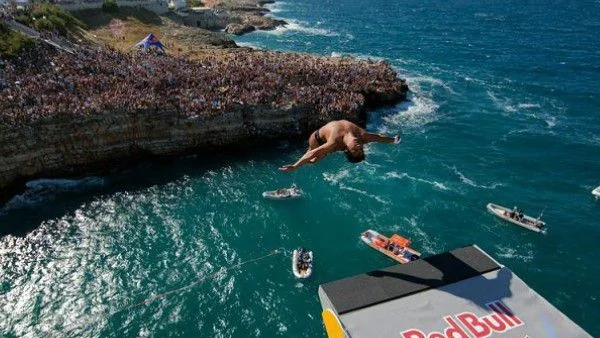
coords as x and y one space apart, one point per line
95 144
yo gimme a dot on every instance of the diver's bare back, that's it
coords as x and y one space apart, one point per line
335 131
335 136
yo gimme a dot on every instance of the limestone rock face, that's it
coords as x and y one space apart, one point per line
73 146
96 144
239 29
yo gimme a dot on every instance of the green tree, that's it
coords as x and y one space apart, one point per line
110 6
12 43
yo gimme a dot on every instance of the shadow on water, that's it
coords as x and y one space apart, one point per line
441 271
48 204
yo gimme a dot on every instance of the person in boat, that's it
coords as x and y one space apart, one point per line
513 213
339 135
520 216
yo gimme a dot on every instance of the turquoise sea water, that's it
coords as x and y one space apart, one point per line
504 108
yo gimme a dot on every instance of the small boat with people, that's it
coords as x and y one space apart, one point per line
302 263
395 247
517 217
596 192
283 193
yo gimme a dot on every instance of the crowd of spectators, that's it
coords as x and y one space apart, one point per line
44 83
7 11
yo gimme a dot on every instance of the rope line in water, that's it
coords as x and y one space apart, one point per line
186 287
198 281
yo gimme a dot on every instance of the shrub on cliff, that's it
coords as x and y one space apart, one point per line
110 6
48 17
11 42
194 3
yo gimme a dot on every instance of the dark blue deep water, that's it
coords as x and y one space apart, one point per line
505 108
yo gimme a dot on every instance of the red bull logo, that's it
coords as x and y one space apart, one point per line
469 325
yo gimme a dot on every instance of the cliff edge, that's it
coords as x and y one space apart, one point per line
64 114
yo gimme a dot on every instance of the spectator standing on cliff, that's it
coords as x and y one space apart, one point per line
339 135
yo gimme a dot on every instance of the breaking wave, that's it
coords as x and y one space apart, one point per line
302 27
413 114
276 7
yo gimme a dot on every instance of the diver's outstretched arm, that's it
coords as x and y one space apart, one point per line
311 156
374 137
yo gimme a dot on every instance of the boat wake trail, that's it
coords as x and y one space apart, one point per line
336 180
470 182
425 242
364 193
395 175
517 254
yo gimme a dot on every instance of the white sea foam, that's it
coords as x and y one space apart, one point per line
416 83
472 183
364 193
417 112
530 109
507 104
276 7
249 45
302 27
336 177
425 242
528 105
550 121
511 253
503 103
281 328
395 175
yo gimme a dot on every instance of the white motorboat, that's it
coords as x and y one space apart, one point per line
302 263
527 222
395 247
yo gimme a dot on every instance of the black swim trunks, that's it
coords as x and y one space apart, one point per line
320 140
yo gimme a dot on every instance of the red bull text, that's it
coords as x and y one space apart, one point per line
500 320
